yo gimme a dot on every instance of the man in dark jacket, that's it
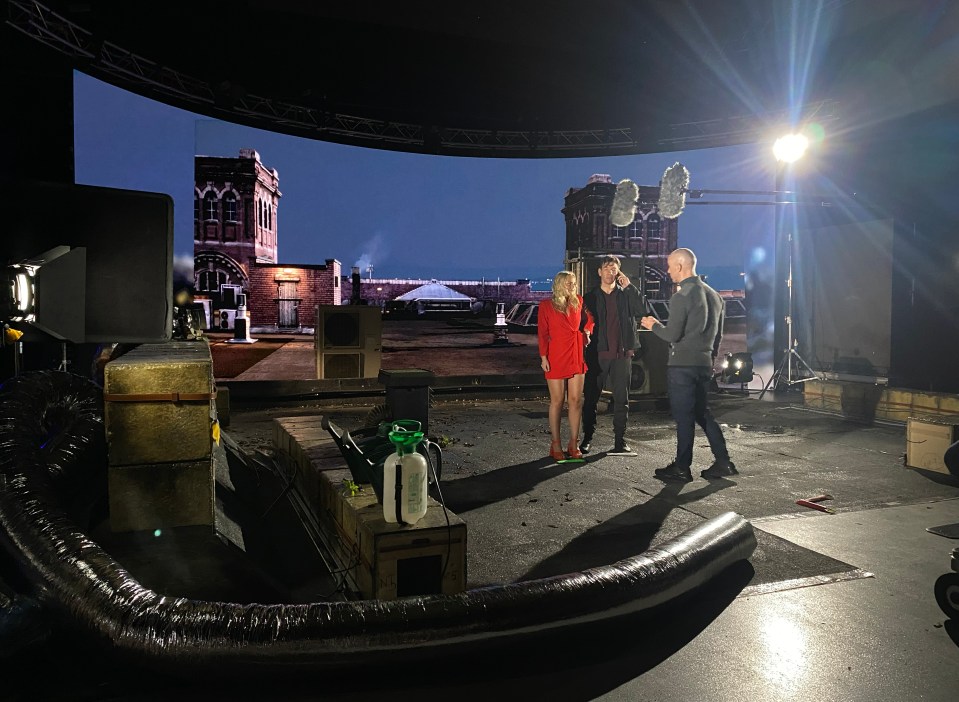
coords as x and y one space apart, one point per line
615 305
694 331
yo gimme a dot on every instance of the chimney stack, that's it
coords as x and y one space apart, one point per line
356 297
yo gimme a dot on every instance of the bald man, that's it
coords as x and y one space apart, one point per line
694 330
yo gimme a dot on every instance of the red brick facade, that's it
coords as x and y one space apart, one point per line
286 295
589 235
235 208
235 249
235 246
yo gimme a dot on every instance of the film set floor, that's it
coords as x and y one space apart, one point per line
837 606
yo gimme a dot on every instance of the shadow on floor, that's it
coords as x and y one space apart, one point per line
625 535
478 491
575 663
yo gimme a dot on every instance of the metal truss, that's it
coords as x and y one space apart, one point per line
138 74
744 128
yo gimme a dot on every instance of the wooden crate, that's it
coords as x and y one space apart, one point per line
381 560
927 441
153 408
156 496
159 414
386 561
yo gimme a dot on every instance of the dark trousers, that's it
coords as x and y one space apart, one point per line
619 372
687 400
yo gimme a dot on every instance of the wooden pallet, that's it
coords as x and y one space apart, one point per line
381 560
385 560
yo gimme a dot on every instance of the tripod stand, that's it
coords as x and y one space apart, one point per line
786 365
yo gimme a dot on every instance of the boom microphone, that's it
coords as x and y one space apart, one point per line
672 191
672 196
623 211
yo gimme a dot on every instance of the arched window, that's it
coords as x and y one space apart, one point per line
269 217
636 229
600 228
210 281
209 207
229 207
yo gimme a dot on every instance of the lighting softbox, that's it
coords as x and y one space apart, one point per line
128 239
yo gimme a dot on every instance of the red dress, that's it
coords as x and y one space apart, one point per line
560 339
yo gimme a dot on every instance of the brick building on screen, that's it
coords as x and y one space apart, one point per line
235 243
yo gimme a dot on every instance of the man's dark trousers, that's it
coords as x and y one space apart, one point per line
619 372
687 400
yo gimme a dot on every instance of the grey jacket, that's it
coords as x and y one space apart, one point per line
695 325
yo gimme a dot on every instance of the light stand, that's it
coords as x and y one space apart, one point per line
64 366
672 199
786 365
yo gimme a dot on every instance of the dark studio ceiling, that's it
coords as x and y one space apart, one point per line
503 78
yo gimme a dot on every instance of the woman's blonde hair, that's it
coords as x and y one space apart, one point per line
562 299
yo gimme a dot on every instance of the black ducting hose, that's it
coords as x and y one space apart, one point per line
66 440
85 583
23 622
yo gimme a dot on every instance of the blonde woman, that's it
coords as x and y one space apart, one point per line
564 329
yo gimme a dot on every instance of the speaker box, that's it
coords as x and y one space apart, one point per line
229 296
348 341
224 320
649 366
586 267
342 365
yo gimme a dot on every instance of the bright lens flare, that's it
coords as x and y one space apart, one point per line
790 148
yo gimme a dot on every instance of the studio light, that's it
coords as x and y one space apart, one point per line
46 292
790 148
737 368
20 303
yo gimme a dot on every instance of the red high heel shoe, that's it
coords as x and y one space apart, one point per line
556 453
573 450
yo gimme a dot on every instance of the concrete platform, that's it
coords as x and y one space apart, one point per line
837 607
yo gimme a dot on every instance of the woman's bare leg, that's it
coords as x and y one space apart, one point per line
574 399
557 392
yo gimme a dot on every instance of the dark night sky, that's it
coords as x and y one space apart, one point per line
412 215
